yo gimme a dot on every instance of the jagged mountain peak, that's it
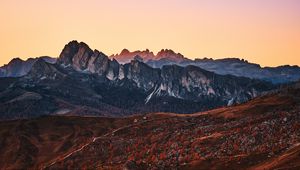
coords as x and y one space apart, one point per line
126 56
170 55
81 57
166 51
74 52
124 51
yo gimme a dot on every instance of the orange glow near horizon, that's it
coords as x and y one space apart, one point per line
266 32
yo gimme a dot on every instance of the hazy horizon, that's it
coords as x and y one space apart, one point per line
262 32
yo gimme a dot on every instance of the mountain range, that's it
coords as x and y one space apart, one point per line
227 66
86 79
87 110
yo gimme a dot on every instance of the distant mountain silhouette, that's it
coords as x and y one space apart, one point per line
17 67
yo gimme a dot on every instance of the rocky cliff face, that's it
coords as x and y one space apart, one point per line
43 70
80 57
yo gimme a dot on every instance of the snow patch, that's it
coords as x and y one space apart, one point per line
110 75
211 91
66 66
156 91
231 102
62 111
121 73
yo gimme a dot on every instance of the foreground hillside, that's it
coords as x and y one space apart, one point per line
263 133
30 143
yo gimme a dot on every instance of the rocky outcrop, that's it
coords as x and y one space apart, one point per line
143 75
76 55
80 57
98 63
113 70
42 70
67 54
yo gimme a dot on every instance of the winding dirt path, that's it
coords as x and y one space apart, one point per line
98 138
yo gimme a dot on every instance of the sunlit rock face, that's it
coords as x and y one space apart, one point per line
80 57
67 54
98 63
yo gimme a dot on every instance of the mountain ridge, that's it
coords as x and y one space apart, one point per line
126 56
85 59
86 78
227 66
18 67
232 66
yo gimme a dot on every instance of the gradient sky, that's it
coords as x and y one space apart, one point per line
262 31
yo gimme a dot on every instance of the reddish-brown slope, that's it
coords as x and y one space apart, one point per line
238 137
288 160
32 143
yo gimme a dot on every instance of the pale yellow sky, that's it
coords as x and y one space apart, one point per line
265 32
